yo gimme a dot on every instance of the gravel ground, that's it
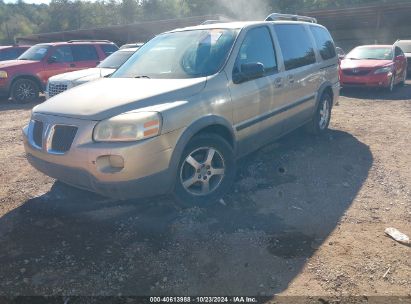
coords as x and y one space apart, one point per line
306 218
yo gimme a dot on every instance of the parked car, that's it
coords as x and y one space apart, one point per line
62 82
405 46
374 66
10 52
24 78
176 116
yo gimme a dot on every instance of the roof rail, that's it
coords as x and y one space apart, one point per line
89 40
276 17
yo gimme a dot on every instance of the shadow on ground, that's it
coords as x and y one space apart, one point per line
400 93
287 199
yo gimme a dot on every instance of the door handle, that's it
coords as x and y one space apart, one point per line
72 65
278 82
290 78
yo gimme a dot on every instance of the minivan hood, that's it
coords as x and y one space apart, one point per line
11 63
82 75
363 63
107 97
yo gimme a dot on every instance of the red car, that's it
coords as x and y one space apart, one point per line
374 66
24 78
9 52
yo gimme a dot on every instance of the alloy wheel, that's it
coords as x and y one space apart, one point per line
202 171
324 114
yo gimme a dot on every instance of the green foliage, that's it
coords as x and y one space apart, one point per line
17 19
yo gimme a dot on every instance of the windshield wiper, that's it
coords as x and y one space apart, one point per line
142 76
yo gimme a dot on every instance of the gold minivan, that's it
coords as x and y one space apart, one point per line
175 116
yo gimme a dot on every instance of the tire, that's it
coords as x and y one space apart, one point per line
196 168
25 91
391 86
319 124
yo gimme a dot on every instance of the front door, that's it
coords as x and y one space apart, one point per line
253 99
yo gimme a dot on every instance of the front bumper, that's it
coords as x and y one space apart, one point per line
370 80
4 87
146 169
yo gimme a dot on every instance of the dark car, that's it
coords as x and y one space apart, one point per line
24 78
10 52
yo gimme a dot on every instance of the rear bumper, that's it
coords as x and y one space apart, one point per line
372 80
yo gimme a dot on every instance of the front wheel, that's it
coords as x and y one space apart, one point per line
205 172
322 116
25 91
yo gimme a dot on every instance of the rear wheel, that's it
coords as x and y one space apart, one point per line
25 91
205 172
322 116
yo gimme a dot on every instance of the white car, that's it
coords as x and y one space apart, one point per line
65 81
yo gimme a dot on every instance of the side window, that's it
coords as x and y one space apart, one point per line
108 49
398 51
84 53
295 45
324 42
63 54
258 47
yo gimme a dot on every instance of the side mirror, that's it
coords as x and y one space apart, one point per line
249 71
52 59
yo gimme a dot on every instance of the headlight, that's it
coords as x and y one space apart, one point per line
131 126
383 70
3 74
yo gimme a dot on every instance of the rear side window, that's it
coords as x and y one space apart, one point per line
108 49
295 44
258 47
84 53
324 42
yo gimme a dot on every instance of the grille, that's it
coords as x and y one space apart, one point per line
354 72
55 88
63 137
38 132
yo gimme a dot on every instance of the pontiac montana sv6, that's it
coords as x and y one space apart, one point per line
178 113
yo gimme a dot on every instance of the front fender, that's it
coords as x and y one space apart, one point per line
194 128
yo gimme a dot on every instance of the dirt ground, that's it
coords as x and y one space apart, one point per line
306 218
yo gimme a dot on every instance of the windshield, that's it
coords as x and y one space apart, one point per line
115 60
187 54
36 53
405 46
376 53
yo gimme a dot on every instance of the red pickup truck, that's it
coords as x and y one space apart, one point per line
24 78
